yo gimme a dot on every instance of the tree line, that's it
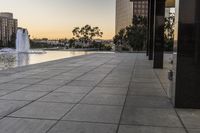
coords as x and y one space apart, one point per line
134 37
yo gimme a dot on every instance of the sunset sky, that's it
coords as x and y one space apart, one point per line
56 18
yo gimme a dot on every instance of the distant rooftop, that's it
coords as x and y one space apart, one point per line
6 15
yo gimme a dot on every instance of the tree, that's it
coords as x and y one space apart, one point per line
120 38
136 34
72 42
86 34
169 32
133 35
76 32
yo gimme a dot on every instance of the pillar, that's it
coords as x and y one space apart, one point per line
159 23
186 83
151 29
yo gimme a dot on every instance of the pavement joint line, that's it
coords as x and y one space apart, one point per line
150 96
160 108
84 96
89 92
45 63
88 122
53 90
132 73
61 120
102 105
29 85
143 95
30 118
67 103
181 121
141 125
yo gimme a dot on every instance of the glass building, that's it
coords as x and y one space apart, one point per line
8 29
125 10
124 14
140 8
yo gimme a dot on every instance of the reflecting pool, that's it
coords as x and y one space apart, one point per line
10 60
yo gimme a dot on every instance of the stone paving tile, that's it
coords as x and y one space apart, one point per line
95 113
64 77
19 125
135 85
144 72
110 90
146 110
144 76
92 77
62 97
85 83
150 117
69 74
39 76
105 99
23 95
190 118
55 82
100 71
74 89
5 79
7 107
80 127
12 86
149 129
117 79
148 102
146 91
45 88
109 83
25 81
42 110
194 130
145 80
5 92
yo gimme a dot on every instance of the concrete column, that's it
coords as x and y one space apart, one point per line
159 23
151 29
148 30
186 83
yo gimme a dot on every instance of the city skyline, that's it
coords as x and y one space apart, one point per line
56 19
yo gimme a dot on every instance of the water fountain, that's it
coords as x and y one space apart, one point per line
22 41
20 55
22 44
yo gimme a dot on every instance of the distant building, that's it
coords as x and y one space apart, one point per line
140 8
126 9
8 29
49 42
124 14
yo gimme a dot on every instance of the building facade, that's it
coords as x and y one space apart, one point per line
124 14
126 9
140 8
8 29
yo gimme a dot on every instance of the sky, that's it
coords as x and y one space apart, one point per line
56 18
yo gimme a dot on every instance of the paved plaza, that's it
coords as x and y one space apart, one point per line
96 93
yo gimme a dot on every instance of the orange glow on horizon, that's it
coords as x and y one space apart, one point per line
55 19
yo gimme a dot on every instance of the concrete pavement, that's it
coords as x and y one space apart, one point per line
97 93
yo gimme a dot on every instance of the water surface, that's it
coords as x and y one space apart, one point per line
11 60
